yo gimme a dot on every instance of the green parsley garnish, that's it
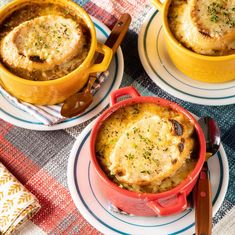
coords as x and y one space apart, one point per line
145 172
129 156
214 18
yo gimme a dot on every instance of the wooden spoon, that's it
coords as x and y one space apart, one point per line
202 190
79 102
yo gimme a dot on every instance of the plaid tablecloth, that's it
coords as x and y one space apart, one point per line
39 159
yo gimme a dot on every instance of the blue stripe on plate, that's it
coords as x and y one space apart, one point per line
108 226
153 69
75 118
158 225
19 119
199 88
79 193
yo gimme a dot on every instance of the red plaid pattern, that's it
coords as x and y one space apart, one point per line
58 214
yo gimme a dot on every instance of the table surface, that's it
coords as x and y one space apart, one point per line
39 159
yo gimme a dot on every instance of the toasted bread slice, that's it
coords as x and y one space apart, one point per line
196 26
151 150
213 18
42 43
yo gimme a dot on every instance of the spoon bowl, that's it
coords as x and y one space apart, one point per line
77 104
212 135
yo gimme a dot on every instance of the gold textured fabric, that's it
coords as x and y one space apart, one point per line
17 204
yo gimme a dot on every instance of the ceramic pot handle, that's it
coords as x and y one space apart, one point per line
104 64
131 91
179 205
157 3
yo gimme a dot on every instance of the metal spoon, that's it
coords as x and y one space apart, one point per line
79 102
202 190
212 135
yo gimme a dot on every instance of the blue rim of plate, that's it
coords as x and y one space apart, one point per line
204 89
156 73
75 118
77 155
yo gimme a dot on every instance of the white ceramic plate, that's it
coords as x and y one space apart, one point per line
16 116
156 62
94 207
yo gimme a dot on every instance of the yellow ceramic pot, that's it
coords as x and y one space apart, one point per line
214 69
55 91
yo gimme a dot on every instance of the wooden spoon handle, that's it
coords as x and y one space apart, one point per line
113 41
117 34
203 203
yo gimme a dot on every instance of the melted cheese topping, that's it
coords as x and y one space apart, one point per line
214 18
42 43
144 147
148 151
206 27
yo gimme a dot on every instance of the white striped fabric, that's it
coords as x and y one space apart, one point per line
50 115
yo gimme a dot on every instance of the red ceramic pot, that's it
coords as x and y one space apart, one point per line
146 204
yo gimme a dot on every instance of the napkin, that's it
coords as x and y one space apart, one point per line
17 204
50 114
